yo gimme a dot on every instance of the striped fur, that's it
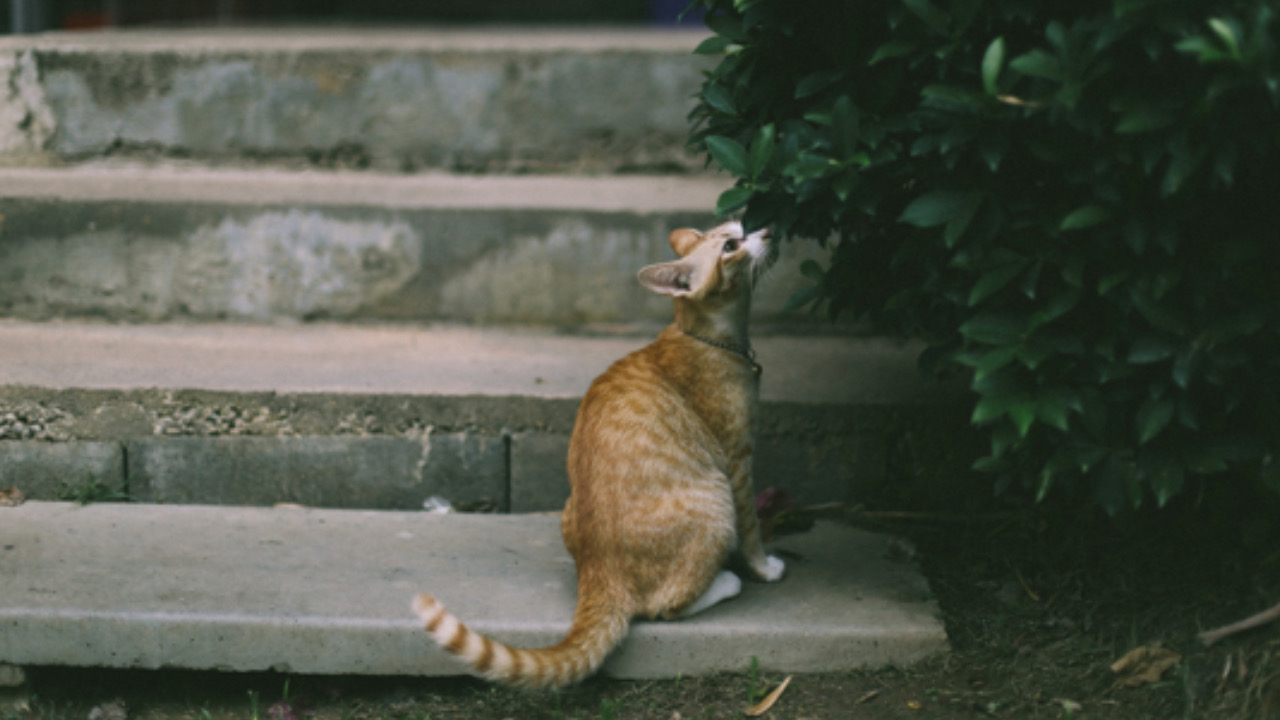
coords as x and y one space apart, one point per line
660 472
590 639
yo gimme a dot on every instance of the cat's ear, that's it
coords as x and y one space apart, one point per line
669 278
683 240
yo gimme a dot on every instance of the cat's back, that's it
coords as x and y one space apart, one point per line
649 382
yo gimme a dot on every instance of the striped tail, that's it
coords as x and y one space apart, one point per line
597 627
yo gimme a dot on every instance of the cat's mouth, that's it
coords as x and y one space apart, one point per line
764 253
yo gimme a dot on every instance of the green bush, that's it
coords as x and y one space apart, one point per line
1078 202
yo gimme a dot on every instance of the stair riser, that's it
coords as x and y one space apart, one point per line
381 452
390 105
144 261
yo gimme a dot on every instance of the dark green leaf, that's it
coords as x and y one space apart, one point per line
1204 49
1269 473
1038 63
817 82
932 16
1148 349
993 146
957 225
894 49
935 208
1182 368
992 64
729 153
1142 121
955 96
992 361
1085 217
1052 409
993 329
808 166
1180 168
1167 480
732 199
993 281
719 97
726 24
990 464
988 409
761 151
844 126
844 184
1109 282
1153 417
713 45
812 270
1023 414
1203 459
1044 484
1228 34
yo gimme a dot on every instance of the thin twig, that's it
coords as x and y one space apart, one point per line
936 516
1210 637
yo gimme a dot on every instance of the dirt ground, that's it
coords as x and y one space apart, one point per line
1038 607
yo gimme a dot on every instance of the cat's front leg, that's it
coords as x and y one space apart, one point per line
768 568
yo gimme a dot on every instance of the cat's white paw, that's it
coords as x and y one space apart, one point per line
772 569
724 586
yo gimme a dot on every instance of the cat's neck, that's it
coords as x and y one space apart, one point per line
720 323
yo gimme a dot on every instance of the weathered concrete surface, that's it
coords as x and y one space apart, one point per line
336 472
153 243
281 414
592 98
311 591
434 360
53 470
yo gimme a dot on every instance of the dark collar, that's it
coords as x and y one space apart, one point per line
746 353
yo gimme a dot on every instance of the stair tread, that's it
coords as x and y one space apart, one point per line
419 360
173 182
328 591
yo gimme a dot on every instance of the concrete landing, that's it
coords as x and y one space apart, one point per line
328 591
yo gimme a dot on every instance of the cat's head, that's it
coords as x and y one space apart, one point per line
722 260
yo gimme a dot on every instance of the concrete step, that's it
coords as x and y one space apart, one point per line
493 99
325 591
385 417
181 242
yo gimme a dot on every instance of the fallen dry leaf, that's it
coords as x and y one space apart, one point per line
763 706
11 497
1144 665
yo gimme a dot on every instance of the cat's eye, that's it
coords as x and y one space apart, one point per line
730 246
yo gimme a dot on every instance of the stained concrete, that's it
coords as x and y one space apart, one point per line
338 472
52 470
384 417
153 243
326 591
506 98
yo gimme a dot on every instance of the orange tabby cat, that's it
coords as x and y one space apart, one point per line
660 469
